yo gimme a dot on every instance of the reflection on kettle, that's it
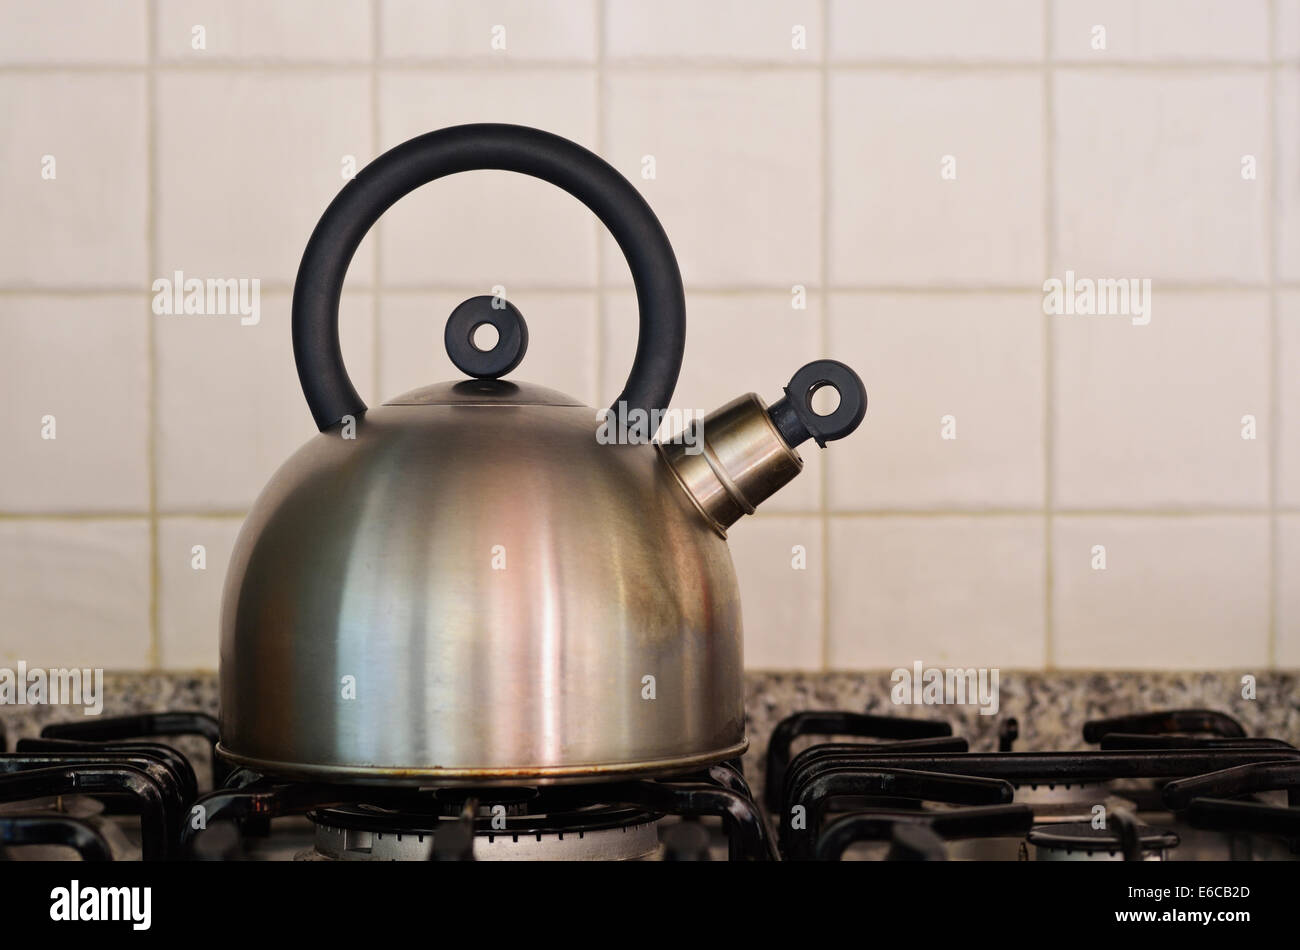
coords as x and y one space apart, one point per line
501 564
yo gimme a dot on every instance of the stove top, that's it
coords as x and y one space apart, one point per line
1180 785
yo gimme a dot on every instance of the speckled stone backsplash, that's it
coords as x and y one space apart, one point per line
1050 707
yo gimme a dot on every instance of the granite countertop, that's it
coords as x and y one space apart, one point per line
1050 707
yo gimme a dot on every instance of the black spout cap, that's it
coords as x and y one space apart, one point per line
794 416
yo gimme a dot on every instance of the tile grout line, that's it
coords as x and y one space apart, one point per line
155 657
703 64
824 322
711 290
598 364
1275 359
376 283
1049 345
716 290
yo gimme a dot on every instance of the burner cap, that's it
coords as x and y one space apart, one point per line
1082 836
520 827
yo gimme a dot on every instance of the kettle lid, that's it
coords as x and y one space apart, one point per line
484 392
485 364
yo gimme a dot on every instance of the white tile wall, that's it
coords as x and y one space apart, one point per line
977 358
785 554
795 144
76 593
757 132
948 590
1288 592
74 31
1131 147
1287 124
740 31
75 189
1176 593
242 164
895 219
1154 416
1286 37
488 30
873 31
74 374
1288 384
482 229
205 31
1161 30
193 554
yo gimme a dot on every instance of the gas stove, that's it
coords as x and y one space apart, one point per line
1182 785
1168 785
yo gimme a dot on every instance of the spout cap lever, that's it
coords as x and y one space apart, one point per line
795 417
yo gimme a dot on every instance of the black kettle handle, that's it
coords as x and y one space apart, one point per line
516 148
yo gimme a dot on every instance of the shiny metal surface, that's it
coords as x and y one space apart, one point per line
1053 802
631 842
743 462
477 591
1062 854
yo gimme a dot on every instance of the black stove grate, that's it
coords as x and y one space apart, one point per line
907 784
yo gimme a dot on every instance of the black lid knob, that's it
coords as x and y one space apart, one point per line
504 355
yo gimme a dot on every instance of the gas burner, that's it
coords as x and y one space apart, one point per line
1065 797
603 821
1081 841
1064 802
596 832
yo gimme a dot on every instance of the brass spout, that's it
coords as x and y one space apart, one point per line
740 455
734 461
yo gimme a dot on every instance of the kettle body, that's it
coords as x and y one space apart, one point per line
479 601
474 583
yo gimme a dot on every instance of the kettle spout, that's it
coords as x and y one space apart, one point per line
743 453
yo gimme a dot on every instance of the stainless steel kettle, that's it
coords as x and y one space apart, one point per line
485 581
